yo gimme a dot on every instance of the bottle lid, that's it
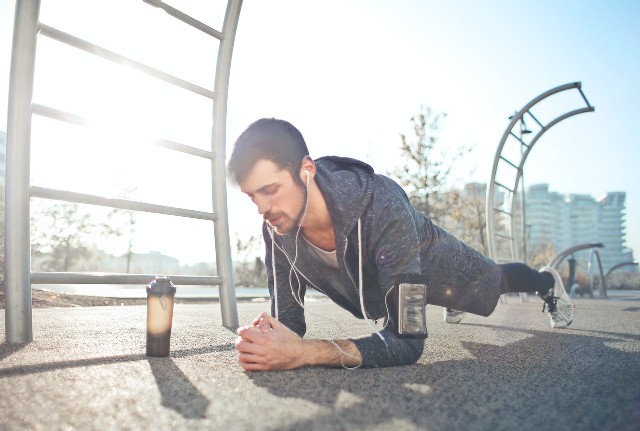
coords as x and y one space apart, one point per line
161 285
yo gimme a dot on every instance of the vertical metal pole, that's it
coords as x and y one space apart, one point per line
523 212
590 270
228 303
17 282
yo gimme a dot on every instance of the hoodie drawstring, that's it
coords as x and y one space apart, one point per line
360 277
273 270
361 284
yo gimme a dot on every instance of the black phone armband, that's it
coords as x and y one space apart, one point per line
406 303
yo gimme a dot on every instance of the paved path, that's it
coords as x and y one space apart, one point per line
86 369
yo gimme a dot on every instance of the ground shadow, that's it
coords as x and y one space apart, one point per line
547 380
7 349
570 328
177 391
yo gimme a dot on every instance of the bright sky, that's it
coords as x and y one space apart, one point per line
350 74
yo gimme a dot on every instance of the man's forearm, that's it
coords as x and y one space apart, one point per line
267 344
336 353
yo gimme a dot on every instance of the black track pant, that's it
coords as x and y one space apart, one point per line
518 277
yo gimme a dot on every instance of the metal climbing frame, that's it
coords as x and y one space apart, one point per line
18 276
593 251
502 220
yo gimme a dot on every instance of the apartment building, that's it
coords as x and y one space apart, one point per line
566 220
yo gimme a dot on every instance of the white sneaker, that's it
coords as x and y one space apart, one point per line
557 303
453 316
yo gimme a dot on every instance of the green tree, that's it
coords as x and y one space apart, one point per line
249 270
466 216
123 222
61 236
120 223
425 173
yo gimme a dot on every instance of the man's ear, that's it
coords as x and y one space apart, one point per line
307 170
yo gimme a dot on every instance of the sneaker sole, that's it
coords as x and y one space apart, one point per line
560 327
559 291
454 319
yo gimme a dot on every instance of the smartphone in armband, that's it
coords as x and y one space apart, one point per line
407 306
412 303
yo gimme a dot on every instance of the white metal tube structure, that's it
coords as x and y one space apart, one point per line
112 278
519 167
558 258
18 276
619 265
17 283
593 249
603 285
228 305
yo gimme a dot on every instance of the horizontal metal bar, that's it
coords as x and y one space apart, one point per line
91 48
502 211
57 114
534 118
503 186
68 117
510 162
185 18
521 141
501 235
116 278
584 97
187 149
82 198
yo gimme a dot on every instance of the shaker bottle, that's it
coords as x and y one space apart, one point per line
160 296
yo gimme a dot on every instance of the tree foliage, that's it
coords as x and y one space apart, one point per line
60 236
63 235
465 215
425 173
250 269
541 254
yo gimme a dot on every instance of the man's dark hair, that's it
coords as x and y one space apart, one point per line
268 139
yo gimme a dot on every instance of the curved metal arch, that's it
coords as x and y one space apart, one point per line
619 265
603 285
593 250
491 189
557 260
531 144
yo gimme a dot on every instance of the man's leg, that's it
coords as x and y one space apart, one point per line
518 277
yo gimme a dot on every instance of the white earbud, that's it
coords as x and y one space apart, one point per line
306 171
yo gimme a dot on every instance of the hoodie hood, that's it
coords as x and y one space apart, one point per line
347 185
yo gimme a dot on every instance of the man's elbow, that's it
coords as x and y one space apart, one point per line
414 352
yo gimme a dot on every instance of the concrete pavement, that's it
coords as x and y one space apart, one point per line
86 369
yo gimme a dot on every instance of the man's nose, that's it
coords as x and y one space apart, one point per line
264 205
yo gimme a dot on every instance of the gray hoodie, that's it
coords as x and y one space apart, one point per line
396 241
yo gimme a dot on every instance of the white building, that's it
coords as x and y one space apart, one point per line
568 220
